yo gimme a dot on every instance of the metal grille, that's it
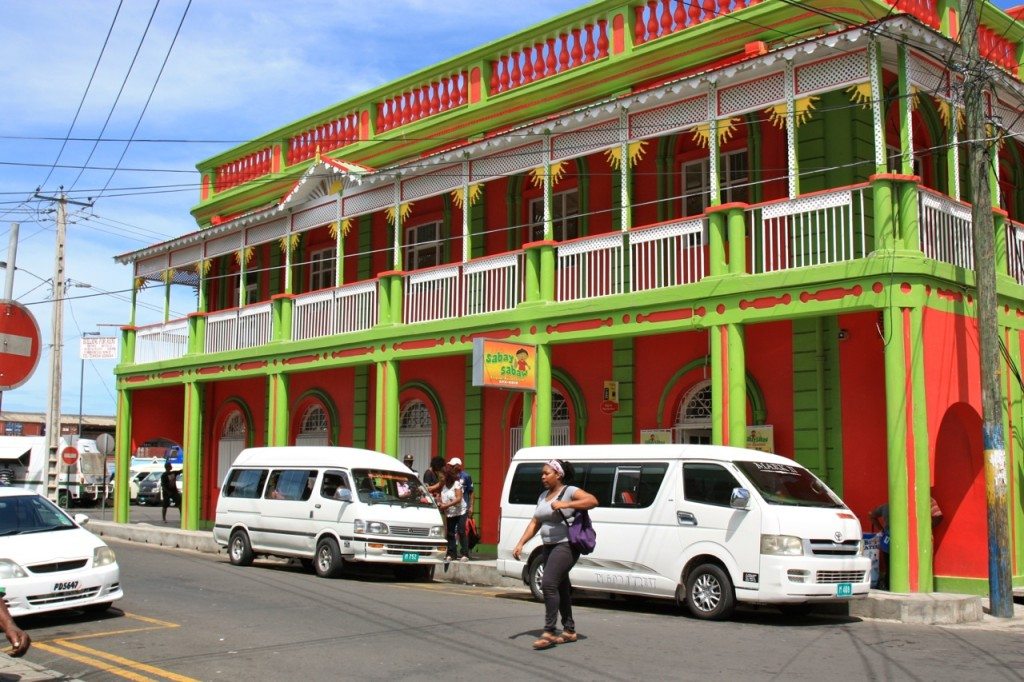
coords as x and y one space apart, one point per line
755 94
432 183
261 234
314 420
507 163
364 202
668 118
828 74
326 212
833 577
946 232
222 245
579 142
923 73
828 548
60 597
168 341
58 566
401 548
151 266
667 255
410 531
186 255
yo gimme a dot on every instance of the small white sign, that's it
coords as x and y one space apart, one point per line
656 436
98 348
761 437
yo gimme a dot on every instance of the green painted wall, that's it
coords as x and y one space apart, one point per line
817 418
622 371
360 406
363 226
472 447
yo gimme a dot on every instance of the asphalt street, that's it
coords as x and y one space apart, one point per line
194 616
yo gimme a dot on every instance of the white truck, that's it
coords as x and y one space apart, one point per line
23 463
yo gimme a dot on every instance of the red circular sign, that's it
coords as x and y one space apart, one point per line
609 406
19 344
69 455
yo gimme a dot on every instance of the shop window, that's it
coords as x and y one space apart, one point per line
321 269
693 418
315 426
565 210
734 181
423 246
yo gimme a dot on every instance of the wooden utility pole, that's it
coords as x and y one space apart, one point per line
980 156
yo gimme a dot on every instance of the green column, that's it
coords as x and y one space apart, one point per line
543 397
528 422
885 218
719 428
910 229
716 242
193 446
277 409
122 455
128 345
1014 426
737 386
386 414
737 230
547 271
896 446
921 492
531 274
167 297
281 306
999 224
396 282
905 107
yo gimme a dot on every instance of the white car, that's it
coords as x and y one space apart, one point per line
48 562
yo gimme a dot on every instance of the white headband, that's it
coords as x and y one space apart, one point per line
554 464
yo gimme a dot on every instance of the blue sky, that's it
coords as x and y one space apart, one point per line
236 70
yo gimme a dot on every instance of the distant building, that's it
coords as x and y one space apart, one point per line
33 424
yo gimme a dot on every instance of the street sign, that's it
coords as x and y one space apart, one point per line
98 348
105 443
69 455
19 344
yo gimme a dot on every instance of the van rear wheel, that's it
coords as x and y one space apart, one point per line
709 593
329 563
240 549
535 575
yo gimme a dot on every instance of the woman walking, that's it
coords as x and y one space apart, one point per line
453 505
556 508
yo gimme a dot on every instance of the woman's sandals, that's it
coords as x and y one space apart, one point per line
567 637
548 639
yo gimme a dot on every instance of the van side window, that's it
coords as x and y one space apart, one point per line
333 481
245 483
708 484
638 485
598 479
290 484
526 486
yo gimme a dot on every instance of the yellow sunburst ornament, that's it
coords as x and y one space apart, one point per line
168 275
475 191
404 211
244 255
289 243
636 152
861 94
335 187
945 110
802 109
346 227
140 283
203 267
726 129
557 171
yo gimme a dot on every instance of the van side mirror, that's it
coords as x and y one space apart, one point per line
343 494
740 498
81 519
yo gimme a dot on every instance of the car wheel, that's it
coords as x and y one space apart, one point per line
329 563
709 593
534 576
307 564
239 549
62 499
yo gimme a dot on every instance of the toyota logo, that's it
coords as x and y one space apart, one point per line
839 536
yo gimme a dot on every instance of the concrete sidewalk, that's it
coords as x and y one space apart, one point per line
19 669
921 608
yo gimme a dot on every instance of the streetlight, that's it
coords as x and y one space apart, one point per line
81 380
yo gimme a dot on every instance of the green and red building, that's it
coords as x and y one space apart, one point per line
745 218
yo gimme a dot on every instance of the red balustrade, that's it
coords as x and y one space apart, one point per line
567 50
334 134
655 19
442 94
925 10
996 48
239 171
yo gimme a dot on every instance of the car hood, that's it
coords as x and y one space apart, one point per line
837 525
57 545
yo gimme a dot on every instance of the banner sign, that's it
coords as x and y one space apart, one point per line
656 436
761 437
504 365
98 348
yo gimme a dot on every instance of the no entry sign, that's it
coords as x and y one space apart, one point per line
19 344
69 455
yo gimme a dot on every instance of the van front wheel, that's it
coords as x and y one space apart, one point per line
709 593
329 563
534 576
239 549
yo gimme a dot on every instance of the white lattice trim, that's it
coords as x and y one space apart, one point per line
254 310
365 202
1011 120
608 241
315 297
357 289
583 141
261 234
433 183
944 205
222 316
186 255
326 212
434 275
507 162
818 202
151 266
506 260
751 95
927 76
693 226
223 245
831 73
660 120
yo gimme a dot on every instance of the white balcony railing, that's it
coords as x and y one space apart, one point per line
238 328
1015 250
590 267
432 294
350 308
945 226
167 341
667 255
827 227
491 285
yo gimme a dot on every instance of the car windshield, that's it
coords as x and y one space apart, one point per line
376 486
31 514
786 484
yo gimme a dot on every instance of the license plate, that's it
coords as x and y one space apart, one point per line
410 557
844 590
63 587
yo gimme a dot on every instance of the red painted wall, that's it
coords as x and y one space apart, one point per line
769 349
447 377
216 408
338 384
157 413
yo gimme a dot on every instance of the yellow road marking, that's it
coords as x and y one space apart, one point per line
136 665
91 662
154 621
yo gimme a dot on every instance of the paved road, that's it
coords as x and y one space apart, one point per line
193 616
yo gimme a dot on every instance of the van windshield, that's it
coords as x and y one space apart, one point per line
790 485
378 486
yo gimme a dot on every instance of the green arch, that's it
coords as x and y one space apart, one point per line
435 402
754 393
332 410
239 402
579 404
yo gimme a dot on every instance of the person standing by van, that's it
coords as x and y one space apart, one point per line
551 519
169 490
453 506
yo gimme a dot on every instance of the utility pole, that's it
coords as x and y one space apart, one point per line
59 292
980 156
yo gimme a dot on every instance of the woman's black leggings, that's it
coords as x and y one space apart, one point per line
558 560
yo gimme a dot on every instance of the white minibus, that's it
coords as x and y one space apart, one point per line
706 525
329 507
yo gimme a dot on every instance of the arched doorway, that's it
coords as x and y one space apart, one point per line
560 424
960 543
314 427
231 441
416 434
693 416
